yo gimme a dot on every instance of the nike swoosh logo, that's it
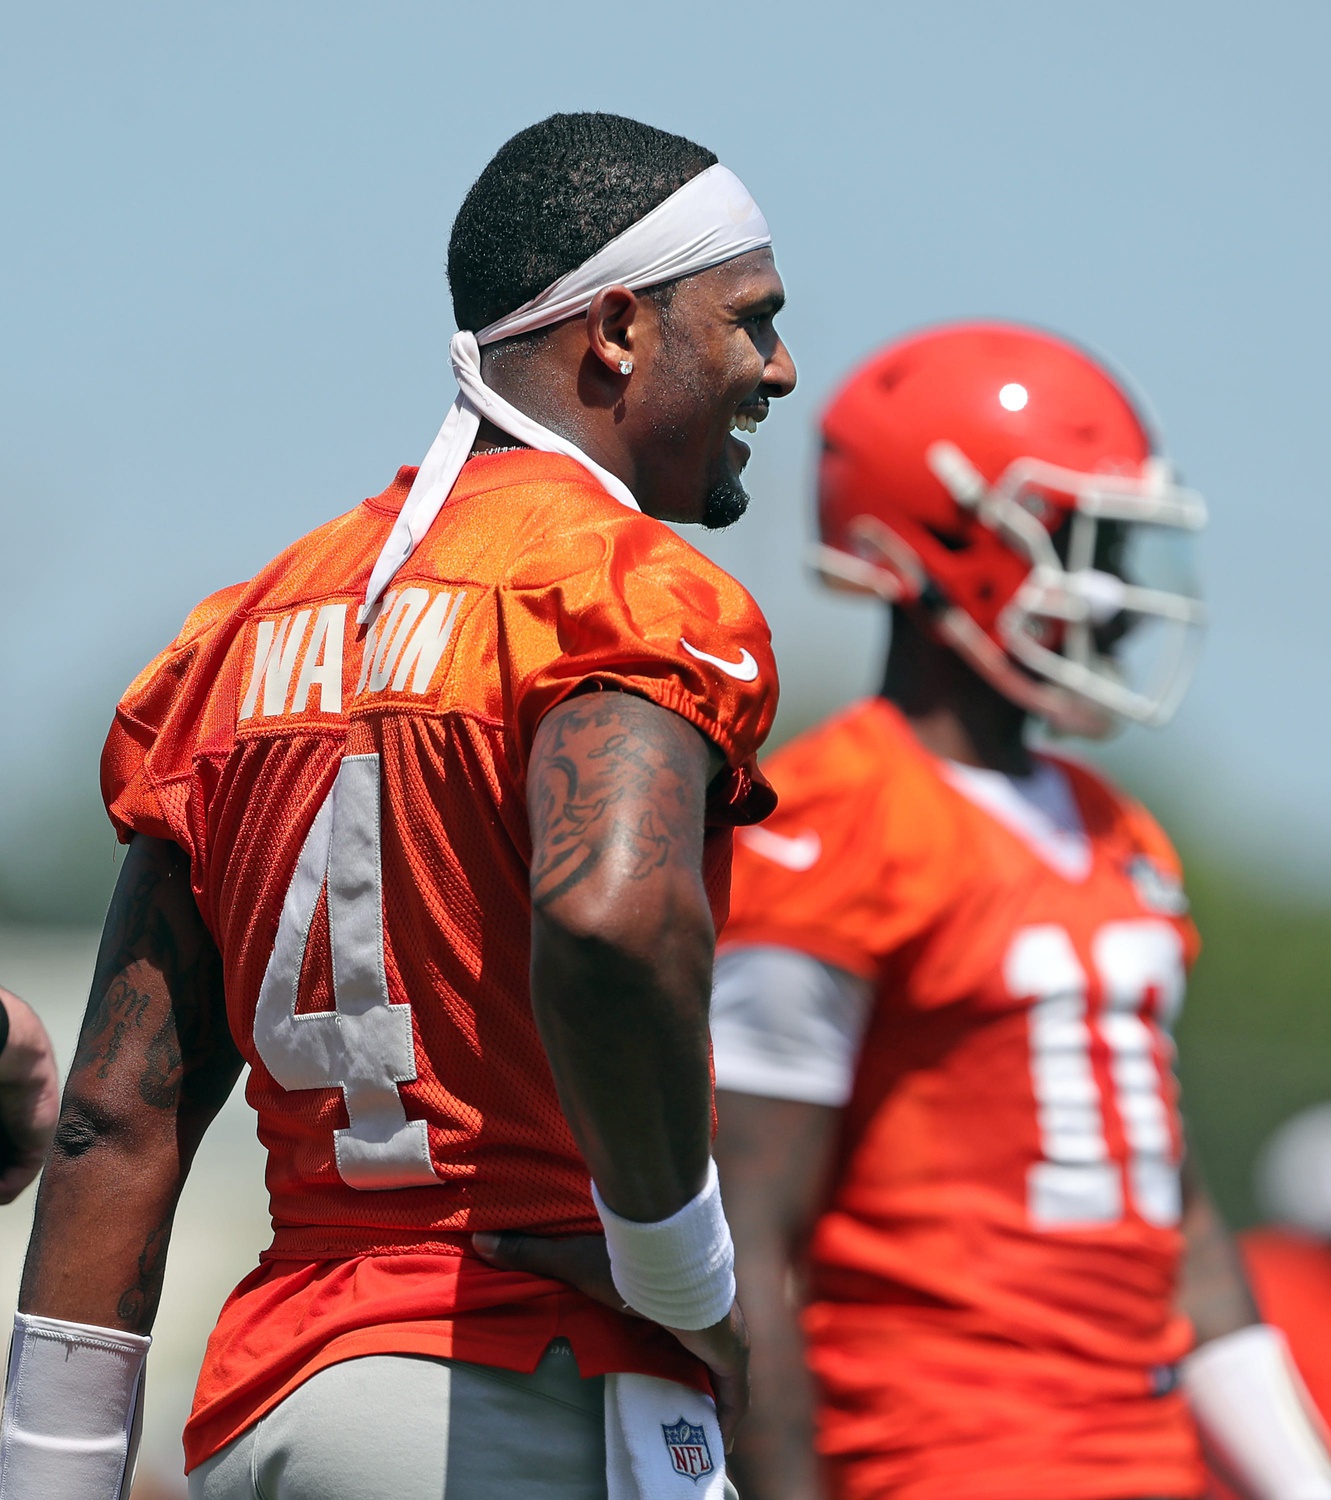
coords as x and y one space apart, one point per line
800 853
743 670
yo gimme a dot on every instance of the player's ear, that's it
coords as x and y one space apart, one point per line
611 334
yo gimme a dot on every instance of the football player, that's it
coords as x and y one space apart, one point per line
948 1107
429 824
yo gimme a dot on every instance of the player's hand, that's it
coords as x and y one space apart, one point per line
724 1349
29 1098
583 1261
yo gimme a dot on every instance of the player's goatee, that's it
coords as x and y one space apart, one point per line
726 502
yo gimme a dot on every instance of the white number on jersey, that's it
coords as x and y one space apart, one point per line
1076 1182
363 1046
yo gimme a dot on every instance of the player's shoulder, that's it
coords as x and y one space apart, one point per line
581 588
566 525
209 614
307 568
202 622
1113 815
332 559
863 781
865 849
866 750
542 531
607 573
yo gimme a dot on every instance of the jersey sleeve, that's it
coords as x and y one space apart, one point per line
147 756
785 1026
632 608
856 859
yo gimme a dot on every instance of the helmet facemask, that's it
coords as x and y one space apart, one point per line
1109 620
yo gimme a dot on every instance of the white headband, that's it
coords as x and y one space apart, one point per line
710 219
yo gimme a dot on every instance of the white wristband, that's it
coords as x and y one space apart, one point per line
680 1271
72 1411
1254 1412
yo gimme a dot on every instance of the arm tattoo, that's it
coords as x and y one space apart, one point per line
138 1304
613 778
154 1062
157 1002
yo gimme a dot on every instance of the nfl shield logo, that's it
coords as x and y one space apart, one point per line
687 1446
1157 889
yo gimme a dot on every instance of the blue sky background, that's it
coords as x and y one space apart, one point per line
225 316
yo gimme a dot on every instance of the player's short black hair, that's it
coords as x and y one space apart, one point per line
552 196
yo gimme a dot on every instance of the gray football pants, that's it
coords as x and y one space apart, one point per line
398 1427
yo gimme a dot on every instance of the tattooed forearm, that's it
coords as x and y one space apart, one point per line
137 1306
111 1016
614 780
156 1005
159 1083
191 1059
154 1062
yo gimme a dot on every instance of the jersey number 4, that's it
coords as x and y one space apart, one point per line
1139 964
364 1045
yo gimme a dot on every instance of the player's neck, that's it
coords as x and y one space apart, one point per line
953 712
548 385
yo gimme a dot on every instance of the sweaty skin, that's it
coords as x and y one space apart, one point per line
699 357
774 1155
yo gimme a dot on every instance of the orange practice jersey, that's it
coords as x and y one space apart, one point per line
352 800
991 1314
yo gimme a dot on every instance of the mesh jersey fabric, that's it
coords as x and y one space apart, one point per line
979 1323
532 584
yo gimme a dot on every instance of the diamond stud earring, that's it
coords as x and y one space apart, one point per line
626 367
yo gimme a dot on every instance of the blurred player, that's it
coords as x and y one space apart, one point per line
948 1109
429 823
29 1095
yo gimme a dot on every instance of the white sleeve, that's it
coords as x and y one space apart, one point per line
1254 1412
787 1026
72 1413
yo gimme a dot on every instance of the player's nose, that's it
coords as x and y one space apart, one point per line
779 372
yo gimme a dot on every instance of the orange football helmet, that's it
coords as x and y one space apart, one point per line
1001 484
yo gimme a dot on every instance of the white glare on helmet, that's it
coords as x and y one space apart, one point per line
1013 397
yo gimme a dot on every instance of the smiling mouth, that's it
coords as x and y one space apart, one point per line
748 416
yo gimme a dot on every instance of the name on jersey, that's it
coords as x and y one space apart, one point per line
298 657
